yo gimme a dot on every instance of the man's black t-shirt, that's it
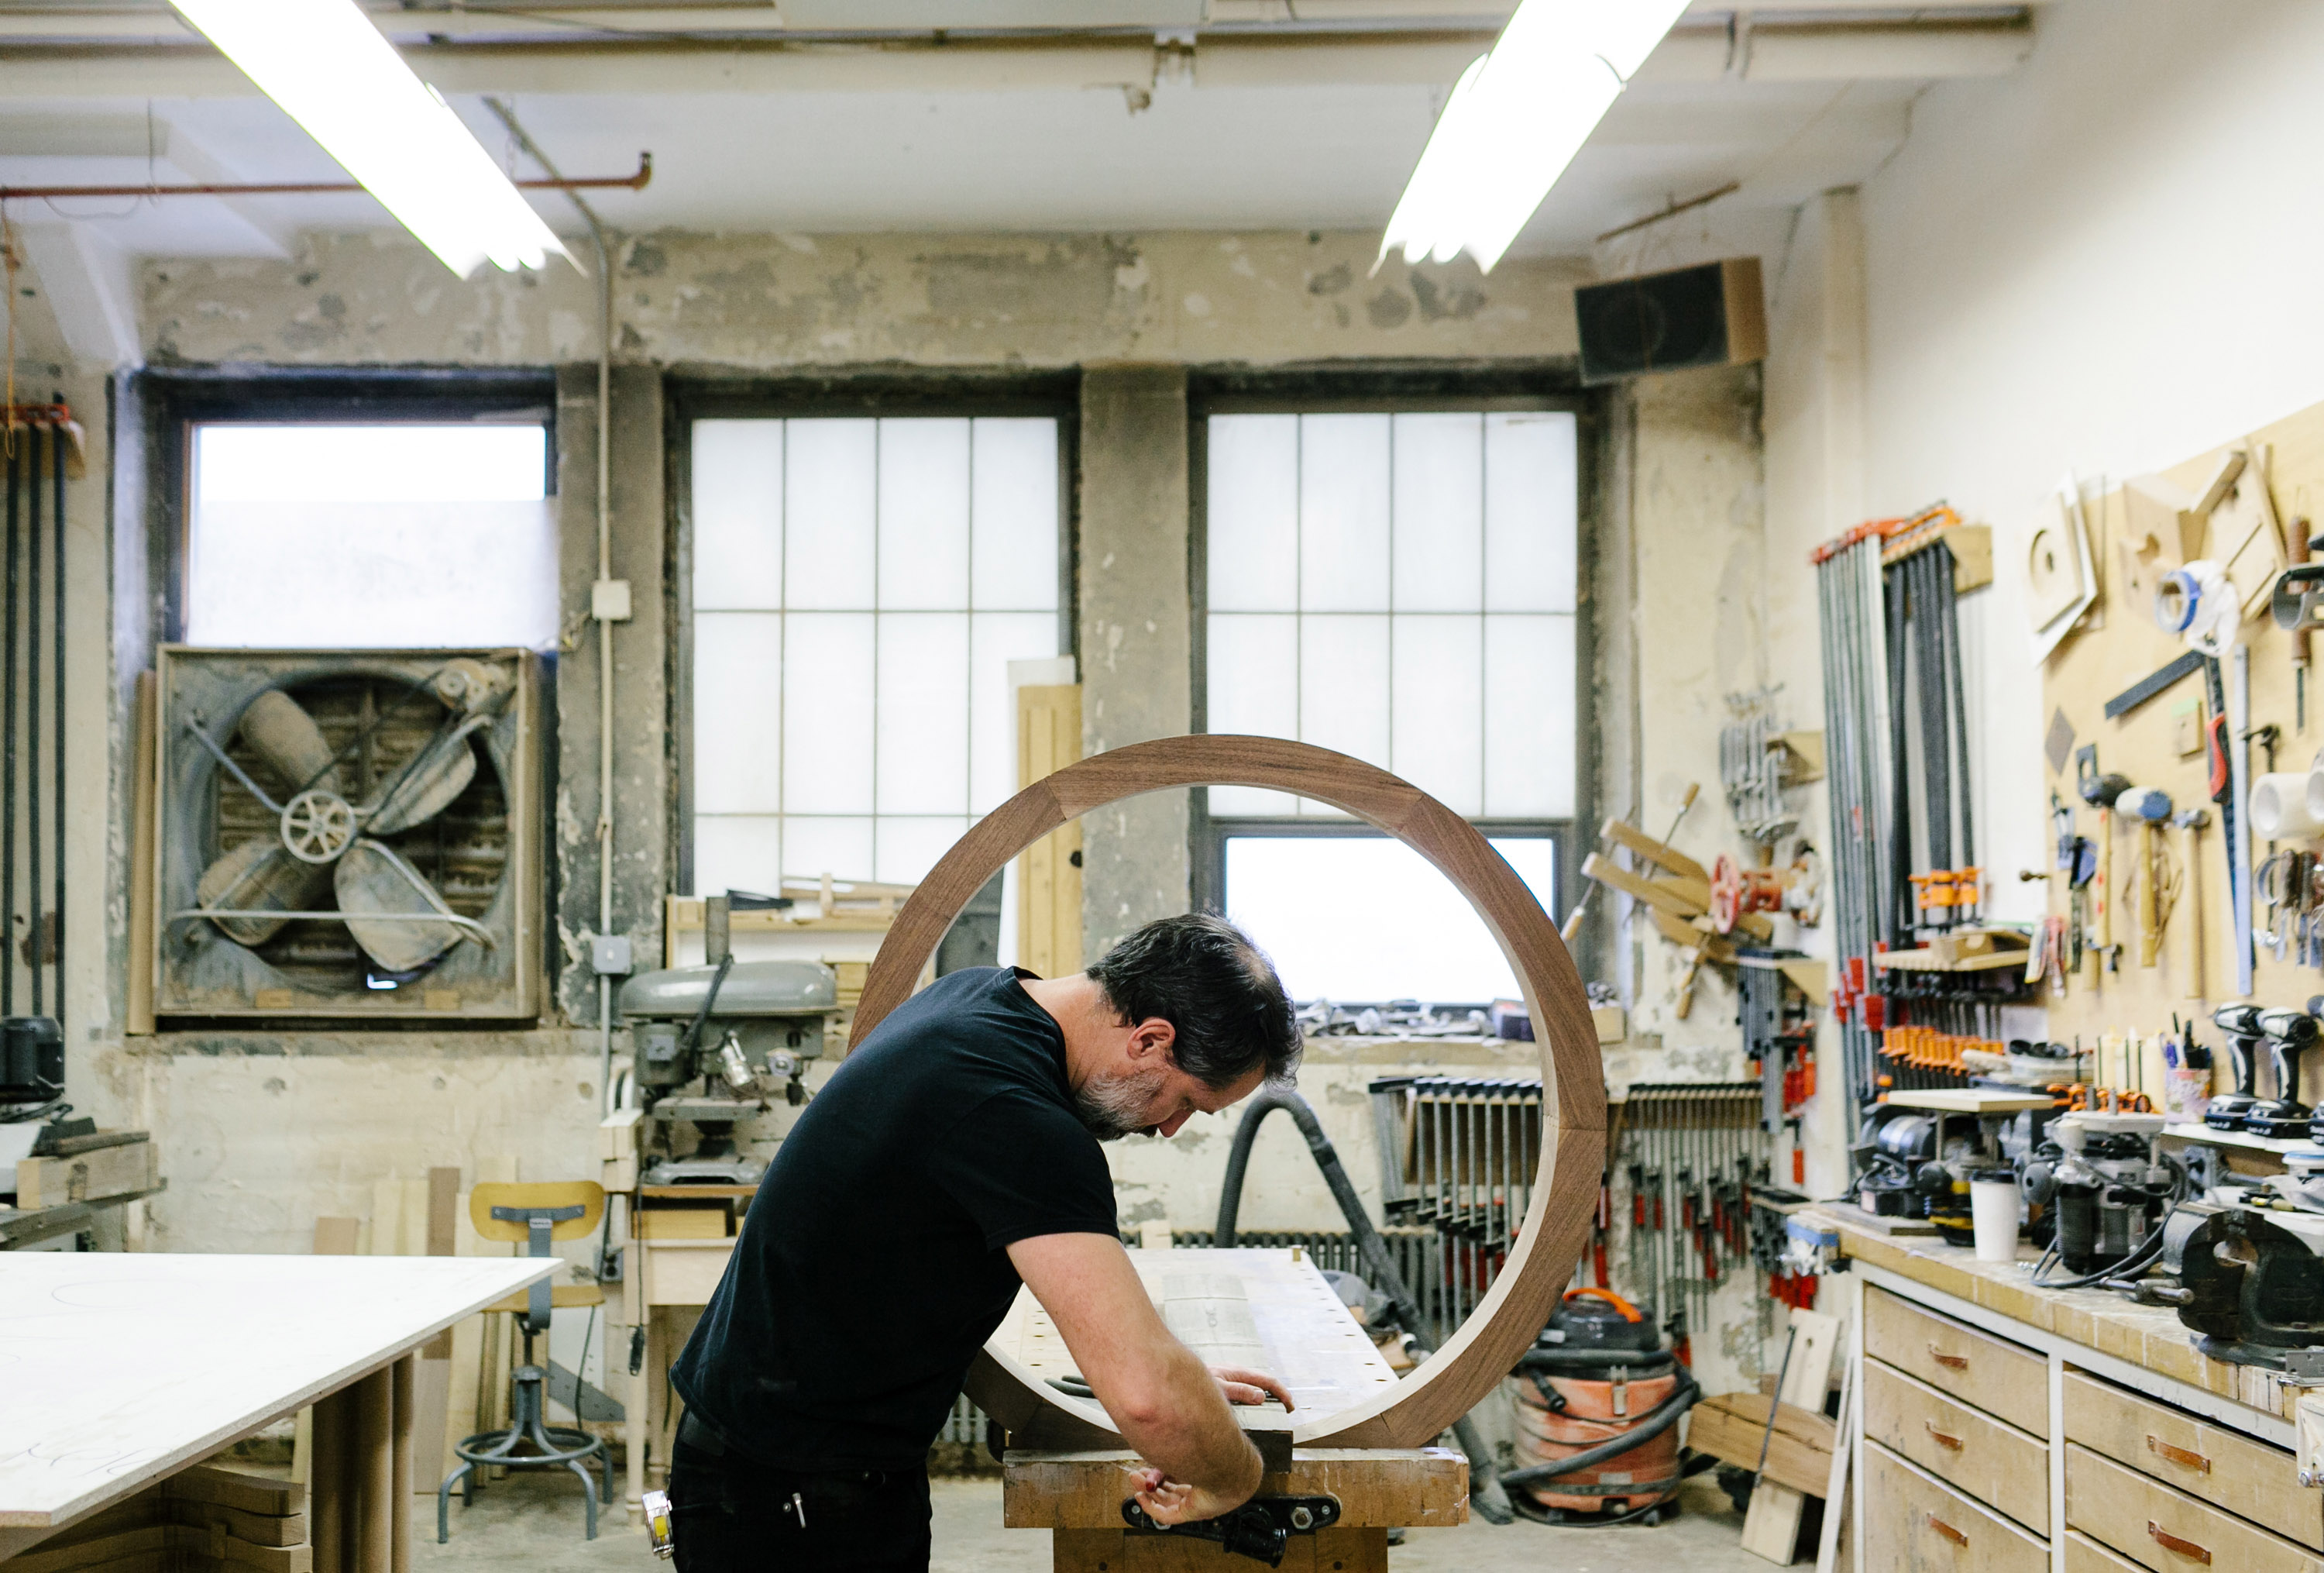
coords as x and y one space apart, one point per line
873 1264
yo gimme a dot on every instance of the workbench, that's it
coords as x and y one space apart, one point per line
1998 1426
1269 1309
121 1370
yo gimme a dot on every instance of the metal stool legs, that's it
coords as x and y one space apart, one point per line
548 1447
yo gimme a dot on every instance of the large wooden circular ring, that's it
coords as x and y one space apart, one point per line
1574 1139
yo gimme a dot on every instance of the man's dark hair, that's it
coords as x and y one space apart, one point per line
1203 976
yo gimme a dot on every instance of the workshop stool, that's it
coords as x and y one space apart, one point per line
534 1214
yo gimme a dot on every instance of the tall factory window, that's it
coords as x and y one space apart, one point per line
1401 587
860 587
331 536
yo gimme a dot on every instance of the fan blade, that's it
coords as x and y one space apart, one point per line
371 879
427 784
288 739
259 875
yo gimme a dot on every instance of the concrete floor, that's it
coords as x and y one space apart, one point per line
533 1523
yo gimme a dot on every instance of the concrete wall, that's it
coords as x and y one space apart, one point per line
278 1127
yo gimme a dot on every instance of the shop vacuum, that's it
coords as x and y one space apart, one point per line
1597 1405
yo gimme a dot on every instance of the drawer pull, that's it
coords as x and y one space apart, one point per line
2170 1542
1949 1361
2185 1456
1950 1443
1954 1535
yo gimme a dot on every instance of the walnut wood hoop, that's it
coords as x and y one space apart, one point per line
1574 1140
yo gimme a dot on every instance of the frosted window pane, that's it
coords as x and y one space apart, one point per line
738 514
910 846
826 713
996 639
1343 505
1438 691
814 846
923 514
829 474
1440 475
923 713
400 463
1014 524
1253 689
738 758
371 536
1529 717
1530 502
1343 686
1252 512
1314 904
739 853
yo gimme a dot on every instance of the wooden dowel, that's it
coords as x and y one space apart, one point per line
326 1476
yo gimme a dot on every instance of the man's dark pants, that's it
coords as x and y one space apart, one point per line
730 1515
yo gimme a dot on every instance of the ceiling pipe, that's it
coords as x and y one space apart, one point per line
637 183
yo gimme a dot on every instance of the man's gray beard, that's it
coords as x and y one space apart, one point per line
1110 1105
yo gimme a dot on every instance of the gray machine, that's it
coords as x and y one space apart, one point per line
714 1047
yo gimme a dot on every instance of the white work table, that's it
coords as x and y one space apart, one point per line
118 1370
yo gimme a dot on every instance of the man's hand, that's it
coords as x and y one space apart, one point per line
1172 1502
1246 1386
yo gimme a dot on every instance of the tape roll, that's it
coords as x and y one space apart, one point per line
2282 806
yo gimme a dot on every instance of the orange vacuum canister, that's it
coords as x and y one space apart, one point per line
1597 1374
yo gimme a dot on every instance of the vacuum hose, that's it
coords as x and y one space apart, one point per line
1484 1483
1652 1424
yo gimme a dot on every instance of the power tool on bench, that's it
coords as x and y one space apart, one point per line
2284 1116
2244 1034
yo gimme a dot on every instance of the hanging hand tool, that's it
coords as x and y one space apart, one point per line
2238 829
2192 821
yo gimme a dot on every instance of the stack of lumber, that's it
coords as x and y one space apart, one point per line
201 1519
91 1168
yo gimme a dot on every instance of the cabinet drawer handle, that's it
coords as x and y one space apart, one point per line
2181 1456
2170 1542
1950 1444
1952 1535
1949 1361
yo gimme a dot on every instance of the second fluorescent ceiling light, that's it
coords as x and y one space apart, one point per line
1516 120
335 74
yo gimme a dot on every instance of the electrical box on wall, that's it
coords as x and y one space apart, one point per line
346 834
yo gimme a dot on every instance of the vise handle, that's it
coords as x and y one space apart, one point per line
1260 1529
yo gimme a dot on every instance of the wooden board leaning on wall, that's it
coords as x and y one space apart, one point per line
2117 644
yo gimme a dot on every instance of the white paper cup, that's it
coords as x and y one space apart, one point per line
1993 1205
2282 806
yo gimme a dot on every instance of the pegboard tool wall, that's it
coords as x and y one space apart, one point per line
2119 643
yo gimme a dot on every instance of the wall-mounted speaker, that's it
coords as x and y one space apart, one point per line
1708 315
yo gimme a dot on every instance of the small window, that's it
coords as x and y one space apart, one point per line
859 588
313 535
1363 918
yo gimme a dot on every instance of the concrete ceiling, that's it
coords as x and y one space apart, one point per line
1074 115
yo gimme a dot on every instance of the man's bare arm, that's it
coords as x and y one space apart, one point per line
1169 1405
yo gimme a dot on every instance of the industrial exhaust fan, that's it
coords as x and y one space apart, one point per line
346 834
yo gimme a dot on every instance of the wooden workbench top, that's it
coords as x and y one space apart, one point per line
117 1368
2150 1337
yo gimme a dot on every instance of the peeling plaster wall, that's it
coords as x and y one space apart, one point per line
262 1133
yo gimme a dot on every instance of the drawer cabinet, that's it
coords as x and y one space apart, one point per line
1916 1523
1993 1461
1971 1367
2165 1529
2225 1468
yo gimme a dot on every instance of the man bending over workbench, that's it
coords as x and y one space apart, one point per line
952 1155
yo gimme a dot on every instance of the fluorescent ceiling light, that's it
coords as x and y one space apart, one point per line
334 73
1516 120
